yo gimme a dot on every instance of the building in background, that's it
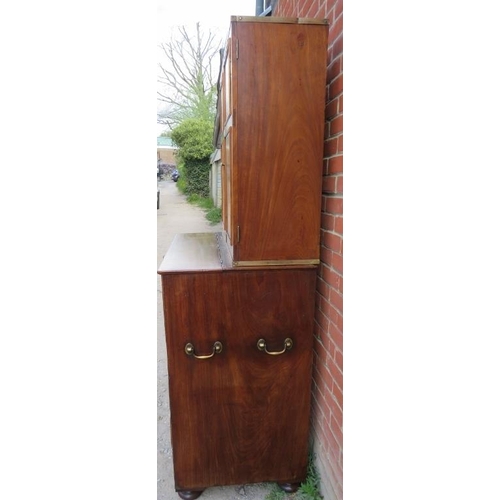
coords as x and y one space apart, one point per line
166 150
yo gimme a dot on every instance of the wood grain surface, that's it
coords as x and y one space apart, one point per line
274 153
241 416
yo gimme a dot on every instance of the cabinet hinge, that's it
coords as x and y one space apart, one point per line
237 234
237 48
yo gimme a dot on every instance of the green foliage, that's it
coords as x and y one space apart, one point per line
200 201
194 139
212 213
276 493
181 182
308 490
197 177
200 105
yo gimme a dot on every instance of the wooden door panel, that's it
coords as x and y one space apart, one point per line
228 216
280 103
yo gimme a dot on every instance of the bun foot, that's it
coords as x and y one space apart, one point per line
289 487
189 495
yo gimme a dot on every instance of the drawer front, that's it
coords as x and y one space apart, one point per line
242 414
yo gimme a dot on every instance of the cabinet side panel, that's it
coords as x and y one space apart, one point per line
280 127
241 416
272 403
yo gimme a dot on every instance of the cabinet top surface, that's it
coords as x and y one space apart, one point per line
200 252
192 252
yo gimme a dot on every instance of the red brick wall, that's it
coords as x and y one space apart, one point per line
327 410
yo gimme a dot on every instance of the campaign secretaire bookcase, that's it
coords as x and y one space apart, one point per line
239 304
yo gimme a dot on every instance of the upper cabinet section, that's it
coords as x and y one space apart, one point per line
272 96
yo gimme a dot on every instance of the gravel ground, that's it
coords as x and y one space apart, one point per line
175 215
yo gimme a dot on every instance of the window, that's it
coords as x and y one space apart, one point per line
264 7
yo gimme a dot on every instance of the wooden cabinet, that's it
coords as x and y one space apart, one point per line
239 304
239 415
272 108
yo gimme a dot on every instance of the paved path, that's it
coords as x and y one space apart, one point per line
175 215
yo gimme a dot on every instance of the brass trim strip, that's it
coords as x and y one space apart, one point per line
278 20
253 263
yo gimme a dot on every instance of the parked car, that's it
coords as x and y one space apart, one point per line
175 175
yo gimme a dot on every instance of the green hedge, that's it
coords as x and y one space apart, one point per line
197 177
194 139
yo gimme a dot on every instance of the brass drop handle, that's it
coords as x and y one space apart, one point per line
261 346
189 350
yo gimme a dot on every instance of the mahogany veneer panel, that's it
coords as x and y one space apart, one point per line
241 416
273 88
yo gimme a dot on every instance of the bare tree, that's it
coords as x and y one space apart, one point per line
189 83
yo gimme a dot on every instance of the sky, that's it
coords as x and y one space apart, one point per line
213 16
